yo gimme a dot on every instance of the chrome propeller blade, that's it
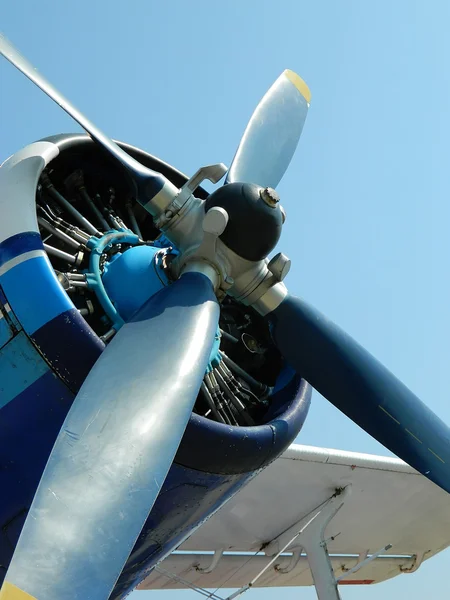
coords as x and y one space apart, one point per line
148 182
272 134
116 447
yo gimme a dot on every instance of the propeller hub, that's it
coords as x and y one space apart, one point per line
255 218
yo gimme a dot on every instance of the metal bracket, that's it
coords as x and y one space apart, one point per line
204 258
296 556
310 535
213 173
291 536
364 560
277 269
418 559
214 562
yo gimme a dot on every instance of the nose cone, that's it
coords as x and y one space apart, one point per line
254 225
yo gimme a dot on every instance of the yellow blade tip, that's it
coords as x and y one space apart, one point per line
299 84
11 592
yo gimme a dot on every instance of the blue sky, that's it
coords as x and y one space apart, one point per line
367 194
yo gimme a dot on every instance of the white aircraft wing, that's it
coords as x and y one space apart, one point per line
389 504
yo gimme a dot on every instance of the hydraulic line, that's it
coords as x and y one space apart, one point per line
236 385
108 213
58 233
60 254
222 399
210 403
75 232
133 221
238 388
260 388
238 405
216 399
95 279
53 192
94 210
227 336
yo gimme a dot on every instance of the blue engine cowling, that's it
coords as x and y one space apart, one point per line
213 460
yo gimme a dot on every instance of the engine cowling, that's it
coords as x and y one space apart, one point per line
100 258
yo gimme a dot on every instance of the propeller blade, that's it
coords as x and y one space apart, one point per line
272 134
362 388
148 182
116 447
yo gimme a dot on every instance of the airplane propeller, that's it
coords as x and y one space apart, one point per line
148 183
362 388
122 432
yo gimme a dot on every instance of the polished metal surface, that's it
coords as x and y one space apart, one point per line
19 176
271 299
116 447
213 173
272 134
140 174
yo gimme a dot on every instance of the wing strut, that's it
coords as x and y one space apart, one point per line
309 534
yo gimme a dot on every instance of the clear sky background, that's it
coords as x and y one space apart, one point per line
367 195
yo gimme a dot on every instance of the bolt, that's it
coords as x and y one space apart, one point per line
270 197
279 266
